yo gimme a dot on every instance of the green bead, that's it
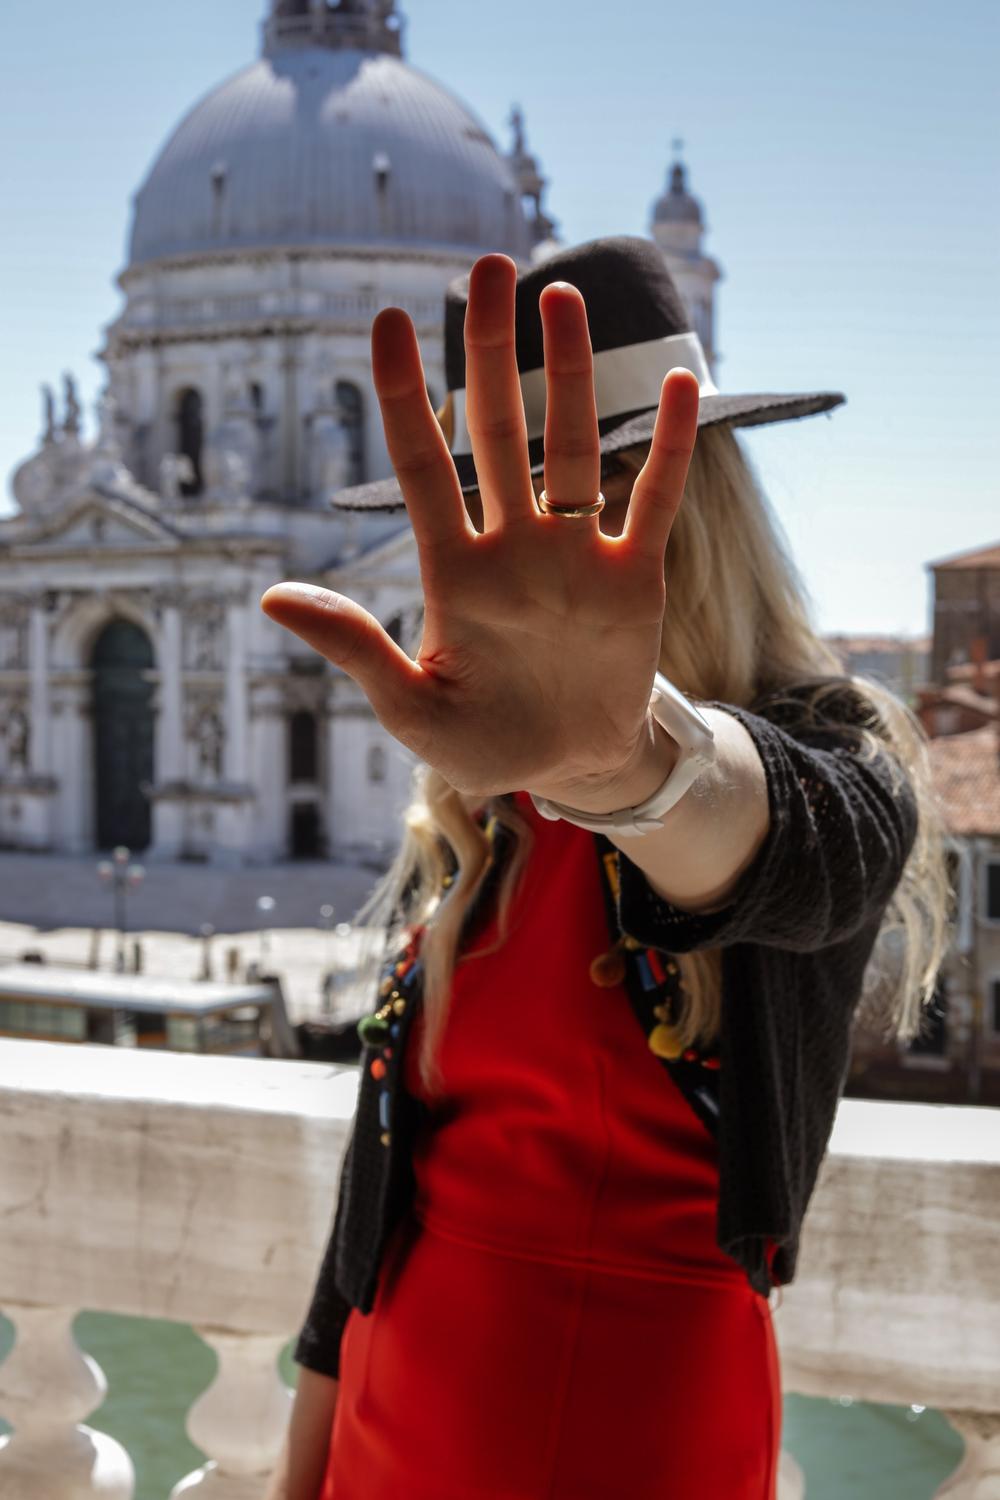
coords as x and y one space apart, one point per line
372 1030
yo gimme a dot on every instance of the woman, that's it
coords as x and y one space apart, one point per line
632 931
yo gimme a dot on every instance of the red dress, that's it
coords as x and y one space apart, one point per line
554 1321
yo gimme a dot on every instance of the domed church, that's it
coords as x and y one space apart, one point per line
144 699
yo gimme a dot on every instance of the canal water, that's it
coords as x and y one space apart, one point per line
155 1370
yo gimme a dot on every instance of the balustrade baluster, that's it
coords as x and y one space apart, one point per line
978 1475
47 1386
791 1480
240 1421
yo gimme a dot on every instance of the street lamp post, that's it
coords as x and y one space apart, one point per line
265 905
118 874
326 926
207 932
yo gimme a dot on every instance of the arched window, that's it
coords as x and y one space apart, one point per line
257 397
190 436
376 764
303 747
351 416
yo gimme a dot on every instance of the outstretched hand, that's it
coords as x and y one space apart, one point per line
541 634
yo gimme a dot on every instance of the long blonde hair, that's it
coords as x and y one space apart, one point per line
736 628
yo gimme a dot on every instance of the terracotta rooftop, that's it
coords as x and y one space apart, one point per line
879 642
967 777
968 671
979 557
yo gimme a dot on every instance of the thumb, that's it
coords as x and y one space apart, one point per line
352 639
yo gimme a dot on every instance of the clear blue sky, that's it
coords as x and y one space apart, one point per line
847 157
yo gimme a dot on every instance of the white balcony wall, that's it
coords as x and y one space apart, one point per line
201 1189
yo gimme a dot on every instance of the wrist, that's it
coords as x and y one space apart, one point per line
651 762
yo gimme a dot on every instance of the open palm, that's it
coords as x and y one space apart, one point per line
541 634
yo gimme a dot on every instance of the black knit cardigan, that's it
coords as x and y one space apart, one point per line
795 938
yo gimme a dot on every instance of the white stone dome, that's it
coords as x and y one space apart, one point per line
327 146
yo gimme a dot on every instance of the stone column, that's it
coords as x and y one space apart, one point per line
170 761
38 652
291 434
168 811
237 716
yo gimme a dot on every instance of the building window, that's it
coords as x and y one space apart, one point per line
932 1040
992 912
376 764
303 748
351 416
190 437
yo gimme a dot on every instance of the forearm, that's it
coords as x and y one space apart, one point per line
301 1466
712 834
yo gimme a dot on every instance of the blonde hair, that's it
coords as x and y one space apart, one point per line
736 628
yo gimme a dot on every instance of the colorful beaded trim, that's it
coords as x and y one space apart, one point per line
659 977
400 976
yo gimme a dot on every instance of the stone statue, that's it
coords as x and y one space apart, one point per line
210 738
176 469
49 405
71 424
205 621
516 123
232 476
18 739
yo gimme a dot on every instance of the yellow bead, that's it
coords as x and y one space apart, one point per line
385 1138
387 986
663 1041
399 1005
661 1012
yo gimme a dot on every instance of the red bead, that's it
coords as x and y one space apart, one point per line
711 1062
690 1055
387 1052
379 1069
653 959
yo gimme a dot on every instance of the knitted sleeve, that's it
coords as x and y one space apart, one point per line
318 1343
842 823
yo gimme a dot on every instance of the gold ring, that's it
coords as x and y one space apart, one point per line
571 512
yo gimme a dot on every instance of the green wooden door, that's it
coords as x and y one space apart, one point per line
123 735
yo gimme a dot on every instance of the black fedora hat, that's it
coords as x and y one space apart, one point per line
639 329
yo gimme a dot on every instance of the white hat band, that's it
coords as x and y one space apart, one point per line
627 379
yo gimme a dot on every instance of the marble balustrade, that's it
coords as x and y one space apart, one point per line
200 1189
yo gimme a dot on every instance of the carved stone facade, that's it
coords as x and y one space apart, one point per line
258 749
133 653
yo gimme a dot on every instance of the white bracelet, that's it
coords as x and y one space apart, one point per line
693 734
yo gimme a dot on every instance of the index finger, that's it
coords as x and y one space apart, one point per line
420 456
